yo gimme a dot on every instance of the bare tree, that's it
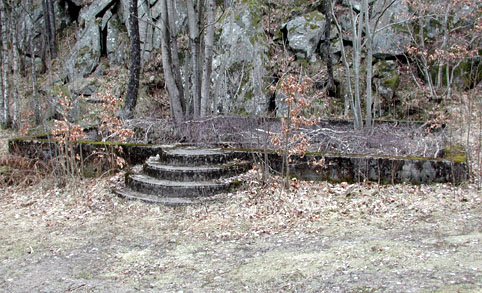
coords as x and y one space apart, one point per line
175 96
49 22
36 108
326 44
369 61
363 30
135 62
353 95
5 106
208 58
195 46
197 75
16 67
458 41
175 52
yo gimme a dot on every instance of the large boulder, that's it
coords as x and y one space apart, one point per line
85 55
117 41
85 87
240 65
386 80
96 9
304 33
390 40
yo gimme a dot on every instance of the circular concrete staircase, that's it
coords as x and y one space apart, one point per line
184 175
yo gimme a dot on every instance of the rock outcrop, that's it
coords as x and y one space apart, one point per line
240 64
389 39
304 33
242 70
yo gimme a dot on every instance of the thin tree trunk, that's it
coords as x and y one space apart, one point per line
349 95
444 44
356 67
36 109
176 67
16 67
46 16
49 35
147 34
369 60
2 97
187 86
174 95
52 30
194 41
5 67
135 62
208 59
326 45
425 66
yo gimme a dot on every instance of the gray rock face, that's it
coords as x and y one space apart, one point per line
85 55
84 87
386 81
304 33
390 41
239 68
39 65
117 45
385 73
356 4
281 107
95 10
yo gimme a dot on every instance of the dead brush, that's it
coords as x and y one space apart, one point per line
20 171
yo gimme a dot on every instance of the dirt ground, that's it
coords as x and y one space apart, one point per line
319 237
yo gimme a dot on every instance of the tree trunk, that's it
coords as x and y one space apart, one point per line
195 44
187 85
444 44
135 62
174 94
5 67
36 108
425 66
357 46
369 60
326 45
148 34
176 67
208 59
348 96
52 32
49 22
2 97
16 67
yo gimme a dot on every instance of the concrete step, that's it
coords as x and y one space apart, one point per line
194 156
167 201
168 188
159 170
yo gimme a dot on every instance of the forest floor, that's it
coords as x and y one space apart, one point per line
411 139
318 237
